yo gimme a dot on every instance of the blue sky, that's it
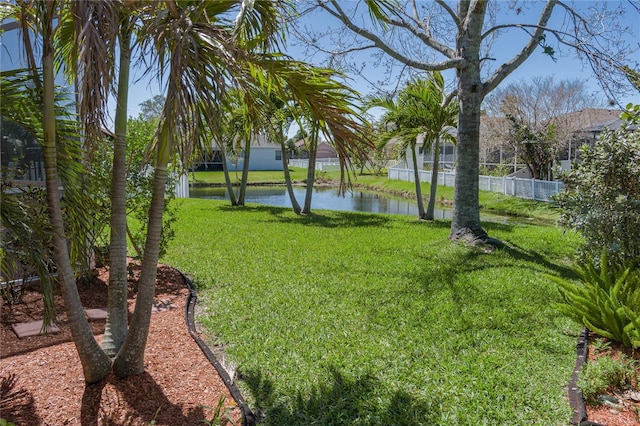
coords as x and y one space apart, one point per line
566 66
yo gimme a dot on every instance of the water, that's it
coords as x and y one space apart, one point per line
323 199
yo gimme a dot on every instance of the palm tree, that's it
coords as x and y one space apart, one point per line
117 311
280 114
336 117
202 54
88 49
46 19
422 108
442 112
402 122
21 115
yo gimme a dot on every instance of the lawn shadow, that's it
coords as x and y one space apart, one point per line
322 218
138 398
533 256
476 259
341 400
17 404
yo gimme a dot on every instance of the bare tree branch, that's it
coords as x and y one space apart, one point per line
450 11
340 14
508 67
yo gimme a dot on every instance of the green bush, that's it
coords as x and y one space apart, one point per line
606 300
605 375
602 194
140 135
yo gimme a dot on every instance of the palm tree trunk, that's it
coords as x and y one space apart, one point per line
245 172
434 179
287 176
227 178
95 363
117 312
130 359
416 179
311 174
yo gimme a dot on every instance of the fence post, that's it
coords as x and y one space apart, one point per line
533 188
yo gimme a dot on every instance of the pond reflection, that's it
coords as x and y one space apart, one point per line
323 199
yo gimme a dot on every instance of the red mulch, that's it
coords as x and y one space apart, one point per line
603 414
41 380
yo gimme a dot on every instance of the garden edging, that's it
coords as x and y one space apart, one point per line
576 401
248 418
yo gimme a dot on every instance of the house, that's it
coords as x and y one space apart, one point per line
266 156
324 150
575 129
447 152
263 156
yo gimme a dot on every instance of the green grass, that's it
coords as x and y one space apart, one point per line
490 202
345 318
274 177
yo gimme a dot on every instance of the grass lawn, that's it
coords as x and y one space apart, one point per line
348 318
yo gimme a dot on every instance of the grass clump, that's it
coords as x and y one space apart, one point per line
347 318
605 375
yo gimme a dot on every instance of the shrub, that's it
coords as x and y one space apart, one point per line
606 300
602 194
603 375
140 134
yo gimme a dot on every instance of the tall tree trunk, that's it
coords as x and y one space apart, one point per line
95 363
416 181
287 175
227 178
434 179
245 172
130 359
311 174
117 312
466 207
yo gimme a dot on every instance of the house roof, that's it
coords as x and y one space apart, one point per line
612 125
589 118
584 120
303 142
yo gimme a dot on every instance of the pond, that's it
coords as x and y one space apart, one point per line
323 199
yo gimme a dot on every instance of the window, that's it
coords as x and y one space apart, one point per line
278 154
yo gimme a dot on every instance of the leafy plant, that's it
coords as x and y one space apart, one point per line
601 345
605 374
602 194
140 136
606 300
221 415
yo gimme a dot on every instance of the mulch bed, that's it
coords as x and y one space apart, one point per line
604 415
41 380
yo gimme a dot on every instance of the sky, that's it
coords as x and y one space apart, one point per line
538 65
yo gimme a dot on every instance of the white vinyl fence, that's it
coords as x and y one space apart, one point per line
322 164
182 186
532 189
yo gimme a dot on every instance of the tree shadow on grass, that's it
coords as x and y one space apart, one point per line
134 400
17 404
475 259
323 219
341 400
